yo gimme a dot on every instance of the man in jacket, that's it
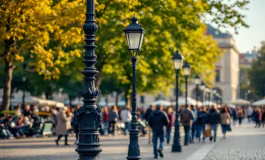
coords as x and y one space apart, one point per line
186 119
201 122
213 119
157 120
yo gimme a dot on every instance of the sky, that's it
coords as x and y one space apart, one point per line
248 38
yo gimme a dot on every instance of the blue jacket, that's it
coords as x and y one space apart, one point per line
202 117
213 117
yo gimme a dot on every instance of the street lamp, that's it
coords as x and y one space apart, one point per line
213 92
134 36
207 93
197 82
177 61
89 115
24 88
186 68
202 87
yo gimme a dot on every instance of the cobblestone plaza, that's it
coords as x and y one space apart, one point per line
243 143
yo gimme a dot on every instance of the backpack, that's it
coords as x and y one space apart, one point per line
239 114
185 117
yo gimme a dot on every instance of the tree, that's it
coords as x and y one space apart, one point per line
256 73
32 28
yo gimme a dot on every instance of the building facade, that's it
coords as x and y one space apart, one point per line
226 81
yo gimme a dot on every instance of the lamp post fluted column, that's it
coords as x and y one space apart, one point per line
209 98
186 91
24 90
134 36
89 115
176 147
134 150
197 82
186 69
177 61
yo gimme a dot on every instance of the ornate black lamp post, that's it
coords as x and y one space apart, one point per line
89 115
214 93
24 88
134 36
177 60
186 68
202 87
209 96
197 82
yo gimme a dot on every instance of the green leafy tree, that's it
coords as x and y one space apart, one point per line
256 73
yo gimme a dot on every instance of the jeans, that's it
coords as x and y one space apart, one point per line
127 127
201 130
112 125
257 123
149 134
106 127
239 121
194 131
65 138
249 118
168 134
213 127
224 128
155 141
186 137
76 130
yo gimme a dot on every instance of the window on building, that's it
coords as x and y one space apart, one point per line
142 99
217 75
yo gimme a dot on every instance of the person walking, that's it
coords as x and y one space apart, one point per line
157 120
186 117
146 117
113 118
63 125
258 117
76 124
249 113
126 118
240 115
213 120
263 117
170 124
201 122
105 115
194 127
234 115
225 120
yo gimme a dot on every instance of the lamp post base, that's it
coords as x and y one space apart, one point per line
176 148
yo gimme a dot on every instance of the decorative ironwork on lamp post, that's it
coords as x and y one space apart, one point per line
177 60
89 115
134 36
24 89
197 82
202 87
186 68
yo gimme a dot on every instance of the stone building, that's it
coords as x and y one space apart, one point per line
227 69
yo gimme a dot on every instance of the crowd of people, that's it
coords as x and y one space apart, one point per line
198 123
156 122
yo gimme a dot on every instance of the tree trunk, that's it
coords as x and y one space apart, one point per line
128 99
98 80
117 98
8 72
70 101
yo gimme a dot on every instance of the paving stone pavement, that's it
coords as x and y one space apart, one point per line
244 143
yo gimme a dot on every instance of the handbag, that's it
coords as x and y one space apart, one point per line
207 132
229 128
